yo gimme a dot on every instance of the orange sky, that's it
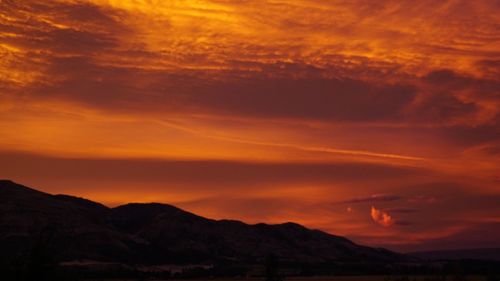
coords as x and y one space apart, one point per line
377 120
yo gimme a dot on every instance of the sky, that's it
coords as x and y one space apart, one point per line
375 120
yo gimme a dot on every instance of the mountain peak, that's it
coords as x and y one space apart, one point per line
13 187
9 183
149 209
5 181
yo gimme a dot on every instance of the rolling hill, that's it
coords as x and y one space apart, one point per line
78 229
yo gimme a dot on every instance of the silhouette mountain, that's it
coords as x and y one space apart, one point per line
79 229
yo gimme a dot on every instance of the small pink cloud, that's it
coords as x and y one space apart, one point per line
381 217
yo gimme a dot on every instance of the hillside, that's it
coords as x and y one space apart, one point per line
79 229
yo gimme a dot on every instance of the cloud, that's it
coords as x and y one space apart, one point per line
401 210
372 198
327 99
222 173
111 88
60 28
382 218
422 199
403 223
88 53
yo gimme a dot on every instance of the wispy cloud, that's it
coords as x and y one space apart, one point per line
401 210
422 199
372 198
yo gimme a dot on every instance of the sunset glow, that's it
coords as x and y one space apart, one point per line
374 120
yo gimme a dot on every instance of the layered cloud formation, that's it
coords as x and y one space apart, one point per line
305 108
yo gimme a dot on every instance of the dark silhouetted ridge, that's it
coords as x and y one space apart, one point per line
156 233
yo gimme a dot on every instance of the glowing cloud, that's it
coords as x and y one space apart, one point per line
382 218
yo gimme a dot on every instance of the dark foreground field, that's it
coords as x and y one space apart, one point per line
345 278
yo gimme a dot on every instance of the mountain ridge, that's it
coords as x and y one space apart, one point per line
156 233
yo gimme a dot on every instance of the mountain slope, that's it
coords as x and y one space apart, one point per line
76 228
